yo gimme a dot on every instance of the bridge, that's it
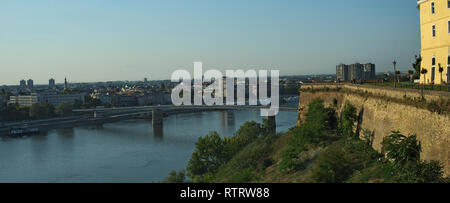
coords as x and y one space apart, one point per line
157 112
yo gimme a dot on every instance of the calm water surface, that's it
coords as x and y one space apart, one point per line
127 151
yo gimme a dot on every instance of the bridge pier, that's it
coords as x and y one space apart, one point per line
271 124
157 122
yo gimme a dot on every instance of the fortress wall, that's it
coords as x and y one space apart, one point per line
382 117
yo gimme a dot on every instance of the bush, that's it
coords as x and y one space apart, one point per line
175 177
212 151
401 149
319 122
341 159
348 119
255 154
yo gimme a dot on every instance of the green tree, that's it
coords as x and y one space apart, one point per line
64 109
417 67
41 111
400 148
406 166
319 122
246 134
37 111
176 177
348 119
424 72
208 155
49 110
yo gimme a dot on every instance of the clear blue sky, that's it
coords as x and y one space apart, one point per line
101 40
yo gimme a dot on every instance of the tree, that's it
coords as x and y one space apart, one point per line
64 109
37 111
406 166
208 155
348 119
175 177
424 72
400 148
246 134
417 67
41 111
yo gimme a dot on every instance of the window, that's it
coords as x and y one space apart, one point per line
449 25
434 30
448 3
432 8
448 67
433 68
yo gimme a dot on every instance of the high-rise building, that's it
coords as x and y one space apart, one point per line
355 72
369 71
435 32
51 83
23 83
342 72
30 83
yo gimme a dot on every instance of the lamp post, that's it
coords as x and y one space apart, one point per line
395 74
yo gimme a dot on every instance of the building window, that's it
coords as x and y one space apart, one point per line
448 67
448 3
449 25
434 30
433 68
432 8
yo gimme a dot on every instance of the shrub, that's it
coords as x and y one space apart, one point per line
319 121
341 159
175 177
348 119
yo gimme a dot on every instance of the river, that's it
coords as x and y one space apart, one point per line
126 151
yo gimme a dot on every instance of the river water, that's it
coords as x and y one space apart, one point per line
126 151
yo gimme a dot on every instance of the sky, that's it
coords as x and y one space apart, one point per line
106 40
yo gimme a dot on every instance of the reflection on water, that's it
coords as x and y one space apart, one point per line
127 151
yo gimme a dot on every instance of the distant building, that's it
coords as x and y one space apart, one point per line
342 72
145 80
126 100
24 100
30 83
156 98
369 71
2 100
51 83
355 72
57 99
23 83
54 99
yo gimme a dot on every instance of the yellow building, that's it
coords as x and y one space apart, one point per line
435 37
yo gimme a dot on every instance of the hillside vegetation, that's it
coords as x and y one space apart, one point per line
324 149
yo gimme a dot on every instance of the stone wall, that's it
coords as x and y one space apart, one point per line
383 116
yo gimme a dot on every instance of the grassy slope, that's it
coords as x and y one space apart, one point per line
262 158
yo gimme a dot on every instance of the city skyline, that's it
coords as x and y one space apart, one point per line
91 41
